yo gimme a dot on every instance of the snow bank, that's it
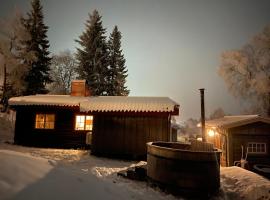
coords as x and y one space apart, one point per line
35 173
238 183
6 127
18 170
68 175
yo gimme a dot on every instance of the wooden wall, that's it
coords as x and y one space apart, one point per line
219 140
255 132
113 134
63 135
124 135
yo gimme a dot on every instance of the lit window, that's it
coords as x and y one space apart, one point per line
84 122
44 121
255 148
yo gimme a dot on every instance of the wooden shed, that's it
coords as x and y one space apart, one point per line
243 136
115 126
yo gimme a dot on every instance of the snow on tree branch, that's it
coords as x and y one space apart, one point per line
246 72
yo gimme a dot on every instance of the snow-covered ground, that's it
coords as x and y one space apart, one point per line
33 173
238 183
38 173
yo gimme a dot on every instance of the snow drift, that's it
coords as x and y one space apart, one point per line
18 170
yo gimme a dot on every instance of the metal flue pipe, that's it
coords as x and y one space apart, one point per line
202 115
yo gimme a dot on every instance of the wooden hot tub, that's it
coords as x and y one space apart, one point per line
184 167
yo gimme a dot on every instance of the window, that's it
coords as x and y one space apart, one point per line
256 148
84 122
44 121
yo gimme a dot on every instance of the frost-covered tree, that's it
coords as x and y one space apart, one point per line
118 70
14 55
63 71
93 64
247 72
38 75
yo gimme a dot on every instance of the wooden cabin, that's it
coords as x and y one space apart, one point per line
244 136
114 125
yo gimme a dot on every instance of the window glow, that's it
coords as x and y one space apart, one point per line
44 121
84 122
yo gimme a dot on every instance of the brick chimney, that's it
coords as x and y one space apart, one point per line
80 88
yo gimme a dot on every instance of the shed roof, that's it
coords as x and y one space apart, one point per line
57 100
101 103
234 121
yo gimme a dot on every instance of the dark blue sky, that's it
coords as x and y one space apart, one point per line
172 47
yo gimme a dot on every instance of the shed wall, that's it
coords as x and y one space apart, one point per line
114 134
256 132
127 135
63 135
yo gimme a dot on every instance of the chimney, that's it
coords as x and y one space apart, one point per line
202 115
79 88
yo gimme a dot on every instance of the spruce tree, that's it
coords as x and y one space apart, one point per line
38 75
118 71
93 55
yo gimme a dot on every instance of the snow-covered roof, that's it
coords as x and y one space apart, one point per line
234 121
120 103
101 103
57 100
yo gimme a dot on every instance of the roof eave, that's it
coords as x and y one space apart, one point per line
244 122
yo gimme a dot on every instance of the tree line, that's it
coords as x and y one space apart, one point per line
28 67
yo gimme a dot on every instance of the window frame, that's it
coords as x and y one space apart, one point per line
44 127
84 122
257 146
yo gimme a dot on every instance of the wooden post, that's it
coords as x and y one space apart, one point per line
202 114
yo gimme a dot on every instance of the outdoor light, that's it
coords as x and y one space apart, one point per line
211 133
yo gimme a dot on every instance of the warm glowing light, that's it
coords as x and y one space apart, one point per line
199 139
211 133
84 122
45 121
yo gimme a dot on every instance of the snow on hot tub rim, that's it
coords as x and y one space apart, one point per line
181 154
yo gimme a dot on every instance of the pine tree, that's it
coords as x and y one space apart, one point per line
93 55
38 75
118 71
